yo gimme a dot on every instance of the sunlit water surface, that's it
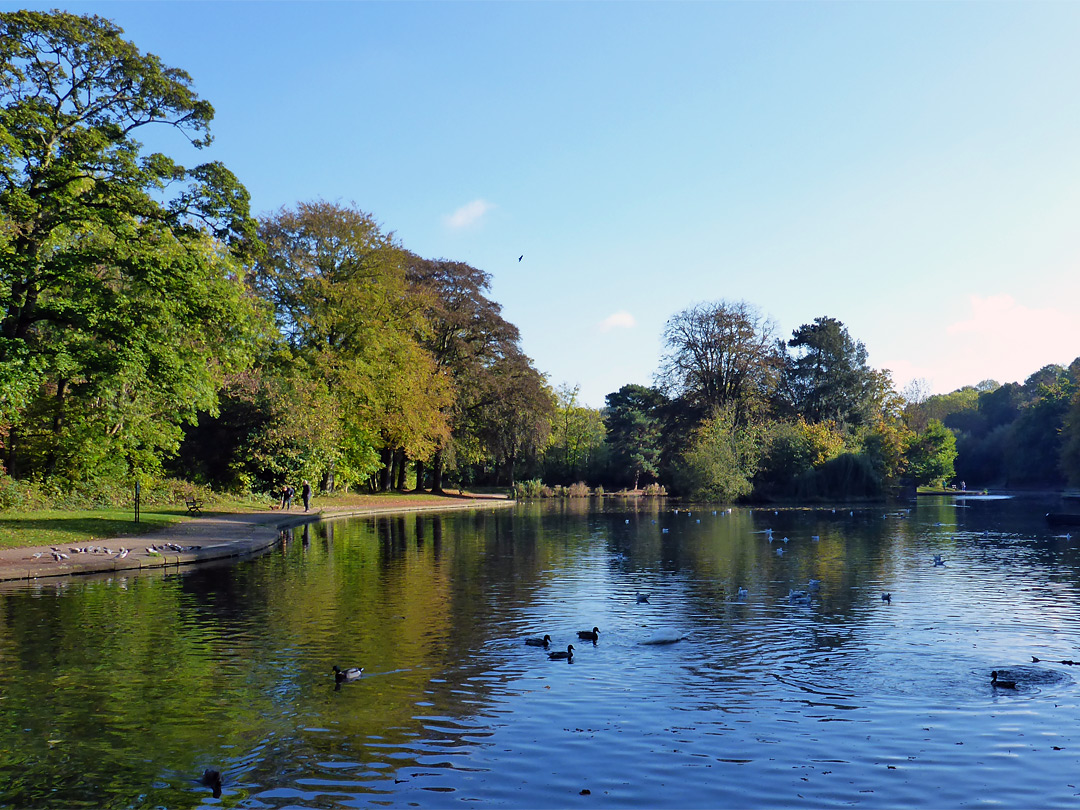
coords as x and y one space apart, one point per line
119 692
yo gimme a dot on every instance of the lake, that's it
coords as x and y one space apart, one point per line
119 692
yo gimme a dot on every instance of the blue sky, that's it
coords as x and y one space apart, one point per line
908 168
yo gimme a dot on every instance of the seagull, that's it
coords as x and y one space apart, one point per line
743 593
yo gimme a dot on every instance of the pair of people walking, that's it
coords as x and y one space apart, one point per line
288 493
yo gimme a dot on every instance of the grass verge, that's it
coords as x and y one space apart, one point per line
82 527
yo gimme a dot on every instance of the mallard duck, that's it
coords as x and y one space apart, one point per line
589 635
539 642
1001 684
886 597
212 779
642 598
559 655
350 674
938 560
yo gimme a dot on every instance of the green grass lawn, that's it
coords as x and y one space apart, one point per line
84 527
56 528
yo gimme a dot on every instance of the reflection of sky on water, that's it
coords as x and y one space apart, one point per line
847 699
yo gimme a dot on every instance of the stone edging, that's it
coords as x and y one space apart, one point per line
257 533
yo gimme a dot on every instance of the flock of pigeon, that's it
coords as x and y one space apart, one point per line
116 554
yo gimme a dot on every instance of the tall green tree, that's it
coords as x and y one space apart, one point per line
349 317
721 460
478 352
1033 449
516 427
122 304
828 376
930 454
633 428
577 438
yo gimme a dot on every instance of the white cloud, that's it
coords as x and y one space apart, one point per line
617 320
469 214
1005 341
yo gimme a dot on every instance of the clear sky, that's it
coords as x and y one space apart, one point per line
911 169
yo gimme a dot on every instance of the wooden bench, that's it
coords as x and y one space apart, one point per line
194 506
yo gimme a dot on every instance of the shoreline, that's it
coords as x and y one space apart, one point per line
218 537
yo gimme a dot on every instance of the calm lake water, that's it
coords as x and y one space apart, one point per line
119 692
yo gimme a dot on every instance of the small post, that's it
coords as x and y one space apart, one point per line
138 492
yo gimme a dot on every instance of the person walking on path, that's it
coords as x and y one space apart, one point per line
305 493
289 492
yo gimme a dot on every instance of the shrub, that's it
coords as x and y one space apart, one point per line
654 489
66 495
533 488
578 490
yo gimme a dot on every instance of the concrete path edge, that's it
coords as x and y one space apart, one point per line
217 537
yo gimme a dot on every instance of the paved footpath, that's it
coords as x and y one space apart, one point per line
213 537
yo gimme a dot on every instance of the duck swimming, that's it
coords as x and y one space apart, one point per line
559 655
539 642
212 779
886 597
589 635
350 674
1001 684
643 598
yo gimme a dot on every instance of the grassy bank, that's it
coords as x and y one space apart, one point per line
56 527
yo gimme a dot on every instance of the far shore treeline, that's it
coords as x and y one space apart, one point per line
152 330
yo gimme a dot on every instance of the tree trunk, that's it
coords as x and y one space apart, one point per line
436 473
387 456
636 474
392 477
419 476
510 462
402 467
12 459
327 483
57 426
